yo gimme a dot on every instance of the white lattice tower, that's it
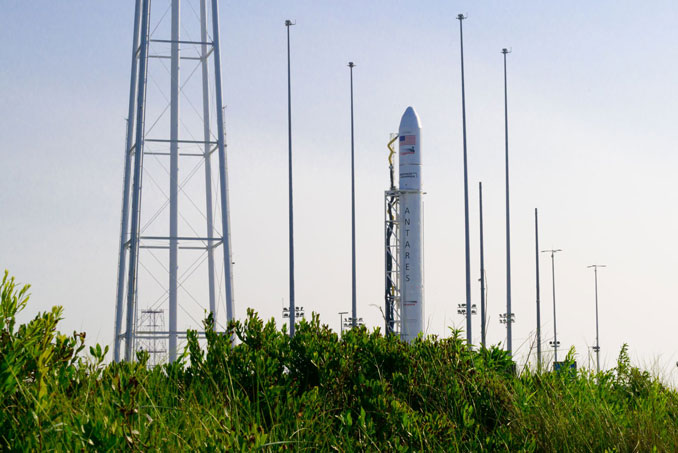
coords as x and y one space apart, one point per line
173 255
150 323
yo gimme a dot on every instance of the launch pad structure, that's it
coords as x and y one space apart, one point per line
169 260
169 239
150 323
392 249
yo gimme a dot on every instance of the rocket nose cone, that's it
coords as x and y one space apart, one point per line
410 119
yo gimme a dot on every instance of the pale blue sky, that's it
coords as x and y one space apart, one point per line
592 100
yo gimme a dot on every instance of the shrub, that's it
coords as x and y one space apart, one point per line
254 387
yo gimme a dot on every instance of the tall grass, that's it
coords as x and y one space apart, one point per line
316 392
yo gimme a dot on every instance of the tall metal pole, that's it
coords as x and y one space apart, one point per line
469 337
553 279
174 177
536 242
208 160
289 23
136 184
354 303
555 331
223 167
597 348
509 323
483 316
124 224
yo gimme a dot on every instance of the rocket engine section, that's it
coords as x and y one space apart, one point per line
411 234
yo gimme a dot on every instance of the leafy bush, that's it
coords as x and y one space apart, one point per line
254 387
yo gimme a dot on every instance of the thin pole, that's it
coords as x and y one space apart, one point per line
509 317
553 279
223 167
597 331
174 177
595 273
555 332
124 223
136 184
289 23
208 161
483 316
536 242
469 337
354 303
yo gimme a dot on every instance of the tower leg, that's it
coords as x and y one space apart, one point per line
208 162
223 175
124 224
136 185
174 178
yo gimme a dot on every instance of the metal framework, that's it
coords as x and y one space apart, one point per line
392 303
153 321
162 69
392 249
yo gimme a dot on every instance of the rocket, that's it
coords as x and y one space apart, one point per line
411 234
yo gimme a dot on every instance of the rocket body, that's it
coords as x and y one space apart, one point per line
411 233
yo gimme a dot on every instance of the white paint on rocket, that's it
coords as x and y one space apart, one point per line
411 234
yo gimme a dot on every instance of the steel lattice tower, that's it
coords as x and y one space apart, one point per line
152 321
392 302
170 248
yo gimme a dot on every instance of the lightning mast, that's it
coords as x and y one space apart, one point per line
164 257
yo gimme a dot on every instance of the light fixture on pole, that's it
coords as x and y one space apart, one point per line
350 322
596 348
291 310
461 309
505 319
298 312
469 337
341 321
555 343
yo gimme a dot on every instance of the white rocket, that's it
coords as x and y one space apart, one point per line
411 234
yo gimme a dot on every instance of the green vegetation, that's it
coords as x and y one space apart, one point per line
313 392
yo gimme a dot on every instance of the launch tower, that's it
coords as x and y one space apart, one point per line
173 254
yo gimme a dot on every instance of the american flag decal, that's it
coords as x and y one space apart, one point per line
408 140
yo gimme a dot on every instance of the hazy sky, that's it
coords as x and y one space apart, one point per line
592 104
